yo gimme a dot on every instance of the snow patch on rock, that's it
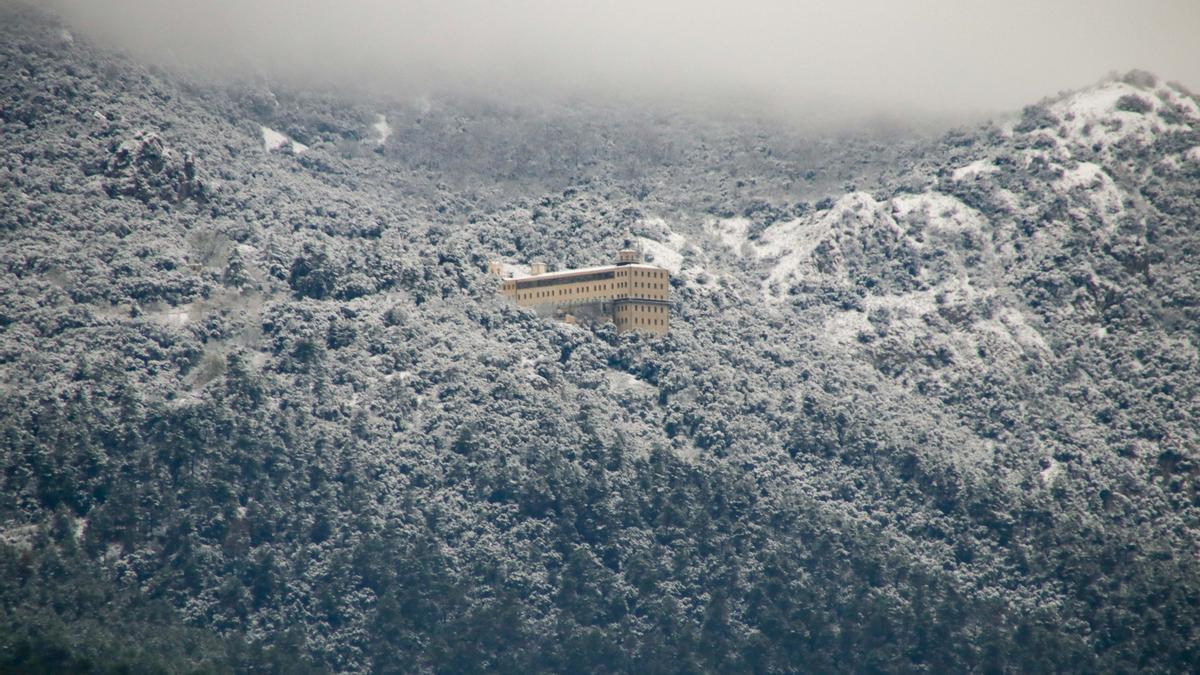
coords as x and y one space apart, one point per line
177 317
273 140
1101 191
979 167
624 382
1008 199
1053 470
383 130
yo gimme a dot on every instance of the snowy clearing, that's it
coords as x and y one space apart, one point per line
667 255
936 211
1028 337
674 252
178 316
730 231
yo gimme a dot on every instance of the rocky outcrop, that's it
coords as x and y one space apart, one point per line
146 168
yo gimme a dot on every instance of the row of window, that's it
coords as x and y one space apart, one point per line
658 309
649 273
563 292
639 321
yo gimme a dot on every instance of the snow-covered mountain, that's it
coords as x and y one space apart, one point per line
927 403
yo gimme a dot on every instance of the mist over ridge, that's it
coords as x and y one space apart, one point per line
870 60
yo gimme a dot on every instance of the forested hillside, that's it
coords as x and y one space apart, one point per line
927 404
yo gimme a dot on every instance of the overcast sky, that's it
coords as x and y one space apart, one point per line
943 56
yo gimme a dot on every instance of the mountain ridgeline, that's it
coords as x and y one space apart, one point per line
927 403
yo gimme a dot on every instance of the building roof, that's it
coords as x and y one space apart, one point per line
586 270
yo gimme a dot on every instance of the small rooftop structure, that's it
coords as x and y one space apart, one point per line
628 256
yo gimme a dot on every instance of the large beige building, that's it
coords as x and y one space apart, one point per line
630 293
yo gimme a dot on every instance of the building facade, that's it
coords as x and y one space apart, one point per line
630 294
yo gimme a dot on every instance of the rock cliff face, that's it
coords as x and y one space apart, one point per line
264 408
